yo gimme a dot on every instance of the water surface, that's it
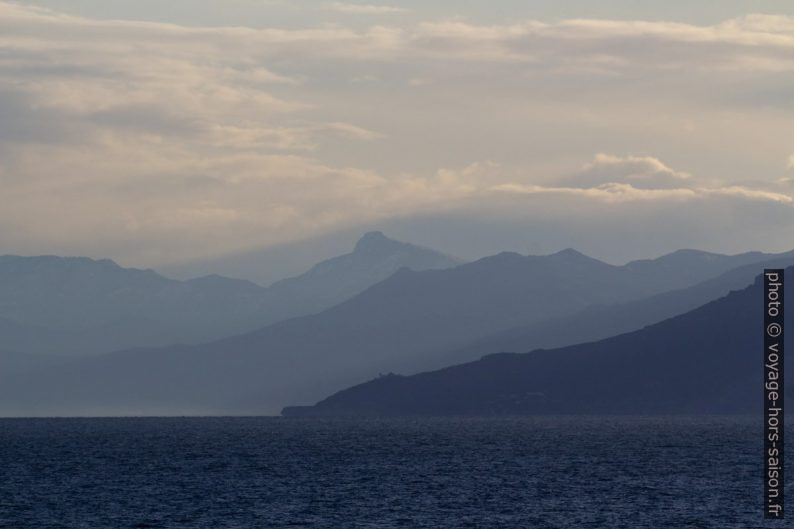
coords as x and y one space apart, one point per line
511 473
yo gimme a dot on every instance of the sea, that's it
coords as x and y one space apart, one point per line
512 473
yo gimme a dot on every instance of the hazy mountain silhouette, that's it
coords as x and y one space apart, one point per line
33 338
693 266
374 258
708 360
70 305
603 321
13 364
397 324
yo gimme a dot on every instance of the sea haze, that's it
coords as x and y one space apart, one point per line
435 473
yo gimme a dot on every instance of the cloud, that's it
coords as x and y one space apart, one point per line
790 164
621 192
152 142
748 44
611 192
610 44
640 178
643 172
756 194
365 9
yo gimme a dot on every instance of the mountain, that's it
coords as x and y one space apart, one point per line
694 266
708 360
399 324
374 258
13 364
33 338
75 305
603 321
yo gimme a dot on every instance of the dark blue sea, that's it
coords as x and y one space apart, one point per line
507 473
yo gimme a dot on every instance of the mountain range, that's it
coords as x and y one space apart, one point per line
80 306
409 322
602 321
708 360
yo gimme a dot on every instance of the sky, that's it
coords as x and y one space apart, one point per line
166 134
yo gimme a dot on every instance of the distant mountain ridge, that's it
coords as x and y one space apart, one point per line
708 360
76 305
694 266
399 324
597 322
374 258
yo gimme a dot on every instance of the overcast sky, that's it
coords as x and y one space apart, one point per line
158 133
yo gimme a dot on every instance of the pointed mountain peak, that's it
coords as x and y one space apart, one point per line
374 240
